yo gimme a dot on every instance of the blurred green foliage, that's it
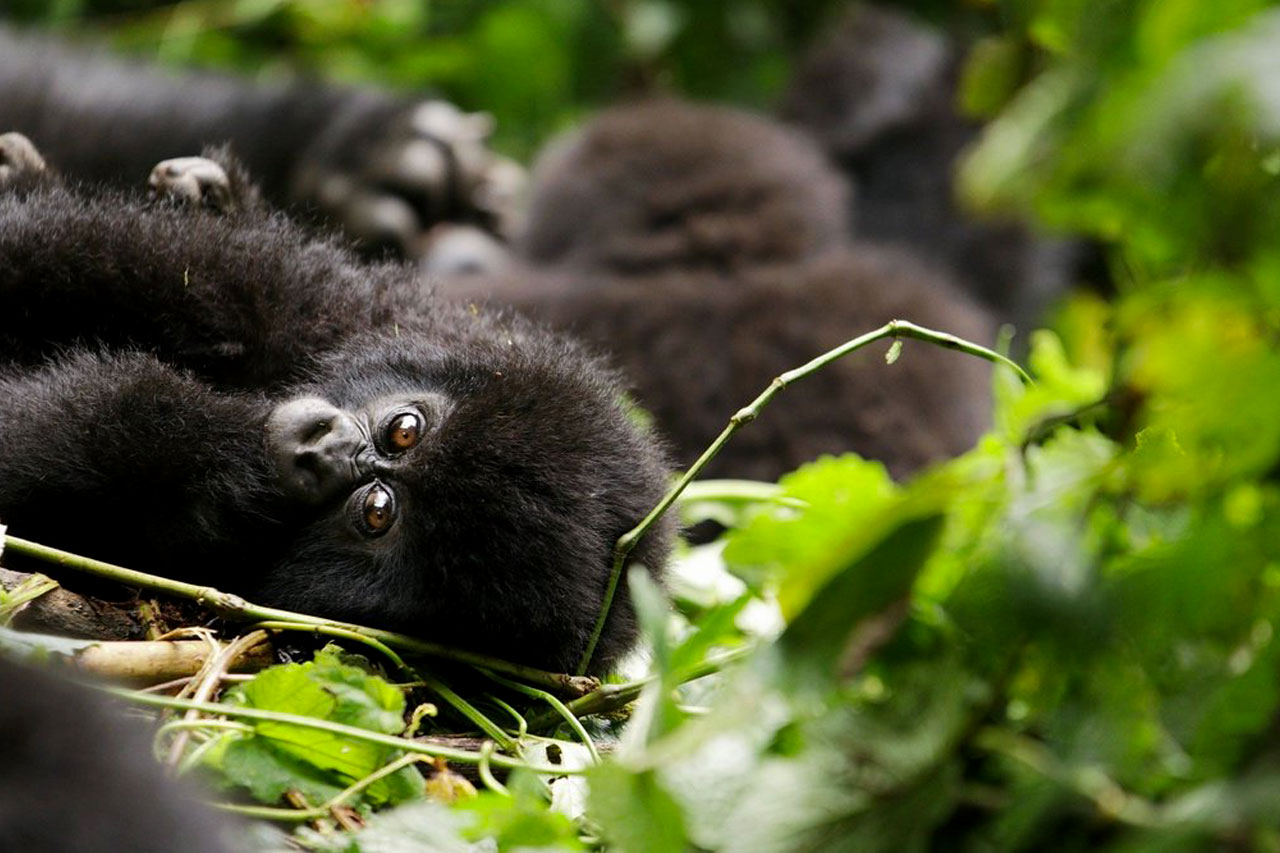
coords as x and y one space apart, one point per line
1088 656
1064 639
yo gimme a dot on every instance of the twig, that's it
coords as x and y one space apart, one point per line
236 608
895 329
557 706
210 679
344 634
611 697
150 661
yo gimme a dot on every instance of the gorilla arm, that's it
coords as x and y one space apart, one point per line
191 286
124 459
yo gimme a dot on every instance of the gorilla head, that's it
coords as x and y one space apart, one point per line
410 466
672 185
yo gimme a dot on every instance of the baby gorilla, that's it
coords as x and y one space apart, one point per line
229 400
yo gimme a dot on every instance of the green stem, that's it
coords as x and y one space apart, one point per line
611 697
895 329
236 608
472 713
343 634
486 775
274 813
558 707
448 753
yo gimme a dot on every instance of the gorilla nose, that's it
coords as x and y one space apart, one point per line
314 446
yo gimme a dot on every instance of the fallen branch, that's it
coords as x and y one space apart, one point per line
58 611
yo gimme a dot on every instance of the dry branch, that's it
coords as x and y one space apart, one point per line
154 661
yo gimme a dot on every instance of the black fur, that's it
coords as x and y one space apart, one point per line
699 348
74 777
711 258
148 346
879 92
384 167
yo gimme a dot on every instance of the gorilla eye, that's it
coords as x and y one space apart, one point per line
377 510
404 432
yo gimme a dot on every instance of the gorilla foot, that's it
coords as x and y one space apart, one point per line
430 165
194 181
18 156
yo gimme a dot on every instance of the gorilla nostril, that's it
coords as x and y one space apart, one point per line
307 460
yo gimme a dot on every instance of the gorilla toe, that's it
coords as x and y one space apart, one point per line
196 181
18 156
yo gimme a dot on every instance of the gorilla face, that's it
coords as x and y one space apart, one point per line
420 507
320 451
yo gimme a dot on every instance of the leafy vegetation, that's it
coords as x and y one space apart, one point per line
1065 637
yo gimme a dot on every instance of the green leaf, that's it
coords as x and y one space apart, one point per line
828 498
283 756
521 821
830 637
635 812
268 771
991 75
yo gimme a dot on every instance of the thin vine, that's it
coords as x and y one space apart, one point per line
894 329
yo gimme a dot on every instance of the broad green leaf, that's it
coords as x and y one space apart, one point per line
635 812
316 761
522 820
782 543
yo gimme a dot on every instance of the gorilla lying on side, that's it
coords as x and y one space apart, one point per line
705 249
382 166
228 400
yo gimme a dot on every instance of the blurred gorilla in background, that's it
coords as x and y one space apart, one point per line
75 777
706 249
878 92
670 186
383 167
